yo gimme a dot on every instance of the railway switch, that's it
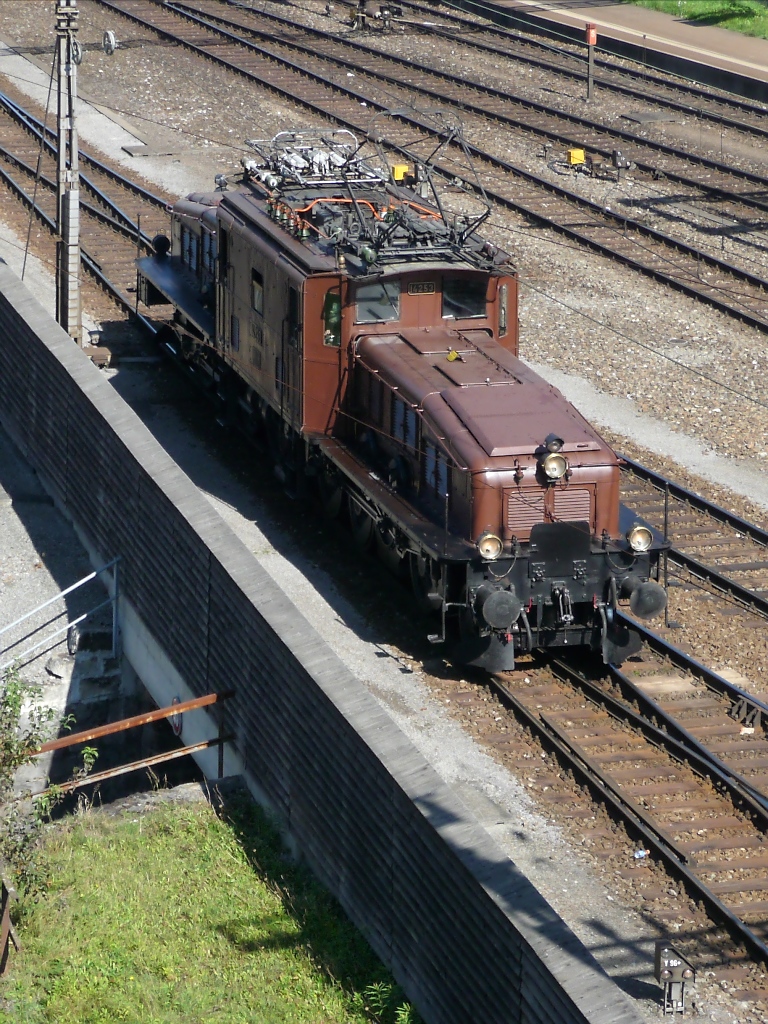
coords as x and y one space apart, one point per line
672 971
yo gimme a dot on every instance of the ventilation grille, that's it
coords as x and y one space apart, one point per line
573 505
524 511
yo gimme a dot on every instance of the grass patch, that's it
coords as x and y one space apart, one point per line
180 916
750 17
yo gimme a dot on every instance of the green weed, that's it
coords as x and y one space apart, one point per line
181 916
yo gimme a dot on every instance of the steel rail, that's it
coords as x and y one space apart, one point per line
675 84
635 819
517 122
119 215
712 575
615 222
711 679
527 36
36 126
721 582
678 742
87 260
696 501
123 225
655 714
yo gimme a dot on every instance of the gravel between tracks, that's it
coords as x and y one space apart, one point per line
203 110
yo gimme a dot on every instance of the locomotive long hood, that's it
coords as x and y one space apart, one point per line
485 404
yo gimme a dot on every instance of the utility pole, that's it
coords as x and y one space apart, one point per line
68 54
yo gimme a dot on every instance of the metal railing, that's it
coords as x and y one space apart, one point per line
70 628
173 711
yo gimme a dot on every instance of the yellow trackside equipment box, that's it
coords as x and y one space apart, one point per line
399 171
576 157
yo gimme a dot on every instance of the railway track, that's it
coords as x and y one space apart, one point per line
118 216
691 813
697 273
714 545
748 191
653 89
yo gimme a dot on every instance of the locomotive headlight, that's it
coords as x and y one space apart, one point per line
555 466
553 443
489 546
639 538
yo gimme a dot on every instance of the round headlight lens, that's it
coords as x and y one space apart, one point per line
489 546
555 466
639 538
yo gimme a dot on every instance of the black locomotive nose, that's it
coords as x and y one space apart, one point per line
499 608
648 600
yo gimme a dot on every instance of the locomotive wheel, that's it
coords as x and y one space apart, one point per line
361 525
423 584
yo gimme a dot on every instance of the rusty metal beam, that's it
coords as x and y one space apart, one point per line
131 723
146 762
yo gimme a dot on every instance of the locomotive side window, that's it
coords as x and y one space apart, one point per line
209 252
257 291
374 403
332 319
377 302
189 248
224 254
435 470
463 297
293 320
404 422
503 302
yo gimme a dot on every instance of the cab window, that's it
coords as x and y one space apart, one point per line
463 297
377 302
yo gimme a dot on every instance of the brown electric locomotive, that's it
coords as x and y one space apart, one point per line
340 306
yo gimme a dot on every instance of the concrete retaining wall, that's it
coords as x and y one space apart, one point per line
465 934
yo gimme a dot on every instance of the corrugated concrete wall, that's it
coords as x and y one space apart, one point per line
464 932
